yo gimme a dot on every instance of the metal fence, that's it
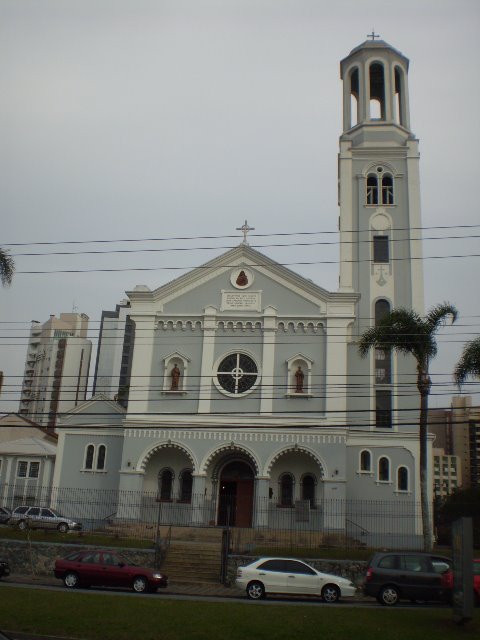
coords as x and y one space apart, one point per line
254 524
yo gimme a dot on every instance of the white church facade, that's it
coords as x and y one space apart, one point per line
248 403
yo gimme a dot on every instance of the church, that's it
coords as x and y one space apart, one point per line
242 398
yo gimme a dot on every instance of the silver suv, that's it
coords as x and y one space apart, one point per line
25 517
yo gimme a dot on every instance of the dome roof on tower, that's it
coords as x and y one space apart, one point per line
377 45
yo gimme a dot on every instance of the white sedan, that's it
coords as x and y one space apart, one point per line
292 577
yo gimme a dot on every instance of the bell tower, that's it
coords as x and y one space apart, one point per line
379 199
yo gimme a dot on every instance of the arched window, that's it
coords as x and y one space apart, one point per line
382 309
372 189
380 187
365 460
377 91
166 484
101 454
384 469
186 483
383 357
402 479
89 454
308 489
286 490
387 189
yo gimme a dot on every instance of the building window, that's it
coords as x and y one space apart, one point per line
308 489
372 189
286 490
384 469
34 470
365 461
402 479
237 373
166 484
186 484
381 249
89 454
102 452
28 469
383 409
379 188
22 468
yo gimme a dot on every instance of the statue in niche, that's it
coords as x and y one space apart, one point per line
175 376
242 279
299 378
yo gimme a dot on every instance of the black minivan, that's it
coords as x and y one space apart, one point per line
409 575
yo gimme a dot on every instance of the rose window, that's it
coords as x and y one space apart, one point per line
237 373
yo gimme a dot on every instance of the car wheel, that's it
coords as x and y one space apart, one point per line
22 525
389 596
140 584
63 527
71 580
330 593
255 591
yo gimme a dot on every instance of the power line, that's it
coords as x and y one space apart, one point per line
224 237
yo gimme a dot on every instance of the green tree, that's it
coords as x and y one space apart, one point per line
405 331
7 267
469 363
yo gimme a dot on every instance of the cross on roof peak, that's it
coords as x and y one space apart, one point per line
245 229
373 35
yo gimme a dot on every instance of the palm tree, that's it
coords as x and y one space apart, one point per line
7 267
405 331
469 363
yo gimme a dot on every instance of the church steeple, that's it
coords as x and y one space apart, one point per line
375 87
379 198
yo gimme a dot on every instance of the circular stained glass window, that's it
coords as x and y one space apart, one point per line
237 373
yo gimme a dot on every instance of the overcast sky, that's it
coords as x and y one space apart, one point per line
131 119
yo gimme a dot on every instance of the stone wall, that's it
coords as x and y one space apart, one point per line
38 558
352 569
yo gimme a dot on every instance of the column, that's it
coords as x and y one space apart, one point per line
268 379
336 374
262 503
334 501
130 495
199 501
141 364
208 351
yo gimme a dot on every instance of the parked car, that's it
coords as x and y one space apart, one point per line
5 515
42 518
290 576
447 582
4 568
106 569
396 575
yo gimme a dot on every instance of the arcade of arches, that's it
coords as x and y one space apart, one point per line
237 493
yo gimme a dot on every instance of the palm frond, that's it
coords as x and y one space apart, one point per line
7 267
469 363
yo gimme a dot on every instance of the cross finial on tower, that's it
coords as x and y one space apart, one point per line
373 35
245 229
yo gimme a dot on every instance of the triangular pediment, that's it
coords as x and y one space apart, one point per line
98 410
239 257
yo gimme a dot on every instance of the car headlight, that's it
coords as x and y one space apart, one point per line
157 576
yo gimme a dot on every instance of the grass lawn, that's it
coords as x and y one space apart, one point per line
118 617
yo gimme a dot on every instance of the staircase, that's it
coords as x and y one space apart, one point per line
193 556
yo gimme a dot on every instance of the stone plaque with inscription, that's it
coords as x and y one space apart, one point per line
240 301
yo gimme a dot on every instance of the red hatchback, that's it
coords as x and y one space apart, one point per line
106 569
447 581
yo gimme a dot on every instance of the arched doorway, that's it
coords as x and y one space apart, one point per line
235 496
